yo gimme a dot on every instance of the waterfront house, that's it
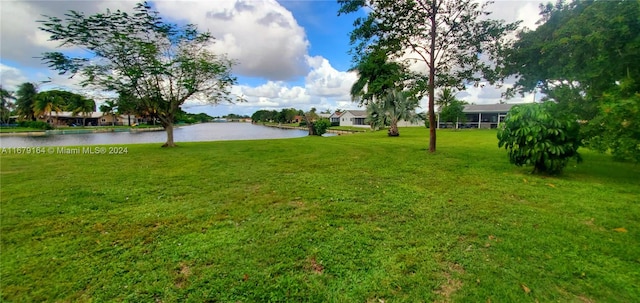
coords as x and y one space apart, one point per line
353 118
479 116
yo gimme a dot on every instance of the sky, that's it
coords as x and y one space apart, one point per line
290 53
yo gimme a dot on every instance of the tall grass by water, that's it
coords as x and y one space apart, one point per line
356 218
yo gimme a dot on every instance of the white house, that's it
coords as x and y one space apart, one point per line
353 118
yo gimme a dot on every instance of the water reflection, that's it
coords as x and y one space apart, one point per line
191 133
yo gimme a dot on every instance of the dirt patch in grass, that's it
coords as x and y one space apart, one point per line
183 275
313 266
452 284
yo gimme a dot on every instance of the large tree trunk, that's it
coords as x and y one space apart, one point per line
169 128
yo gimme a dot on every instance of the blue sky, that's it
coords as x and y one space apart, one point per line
291 53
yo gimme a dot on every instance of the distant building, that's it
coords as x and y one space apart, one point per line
480 116
89 119
353 118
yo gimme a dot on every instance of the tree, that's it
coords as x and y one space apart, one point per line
83 106
25 100
397 106
450 108
6 105
452 38
585 56
320 126
310 119
46 103
539 135
376 75
110 107
161 64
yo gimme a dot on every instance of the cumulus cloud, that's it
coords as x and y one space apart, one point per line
261 35
11 77
325 81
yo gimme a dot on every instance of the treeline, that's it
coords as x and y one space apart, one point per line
286 115
189 118
29 104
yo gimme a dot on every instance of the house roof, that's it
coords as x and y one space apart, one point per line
487 108
357 113
80 115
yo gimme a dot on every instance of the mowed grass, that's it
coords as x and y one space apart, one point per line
356 218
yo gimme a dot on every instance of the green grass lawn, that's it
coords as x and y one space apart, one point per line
357 218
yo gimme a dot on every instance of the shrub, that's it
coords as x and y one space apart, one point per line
537 134
35 124
321 126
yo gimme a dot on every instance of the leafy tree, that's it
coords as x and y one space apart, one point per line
451 109
616 129
586 45
539 135
451 37
110 107
321 126
585 56
162 65
25 100
5 104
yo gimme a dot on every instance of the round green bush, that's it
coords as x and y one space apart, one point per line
539 135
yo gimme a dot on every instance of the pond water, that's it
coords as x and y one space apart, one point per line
191 133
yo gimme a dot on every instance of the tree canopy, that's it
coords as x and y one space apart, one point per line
585 56
160 65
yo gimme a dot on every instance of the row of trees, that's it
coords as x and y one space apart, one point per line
315 124
28 104
285 115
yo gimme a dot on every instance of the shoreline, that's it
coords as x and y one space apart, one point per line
329 131
71 131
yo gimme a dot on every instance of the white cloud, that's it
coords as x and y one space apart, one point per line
261 35
325 81
11 77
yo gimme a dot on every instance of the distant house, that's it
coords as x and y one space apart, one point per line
335 118
324 116
89 119
480 116
353 118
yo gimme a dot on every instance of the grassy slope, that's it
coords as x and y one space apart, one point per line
357 218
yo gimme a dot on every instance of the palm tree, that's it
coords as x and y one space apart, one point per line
376 117
109 107
400 106
394 107
82 106
25 99
450 108
445 97
375 76
46 103
6 105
